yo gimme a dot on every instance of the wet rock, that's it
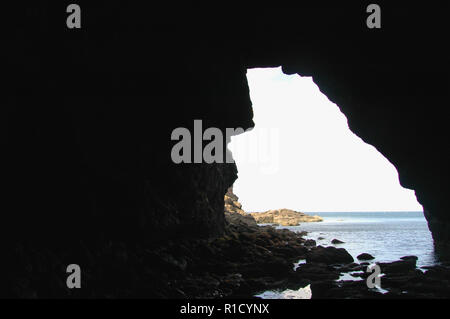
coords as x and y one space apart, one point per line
365 256
336 241
400 266
411 258
329 255
404 280
310 242
289 251
277 267
321 289
349 289
316 271
437 272
349 267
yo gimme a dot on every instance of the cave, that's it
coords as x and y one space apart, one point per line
88 113
302 155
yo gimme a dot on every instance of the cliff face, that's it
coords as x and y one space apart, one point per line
87 143
87 117
235 216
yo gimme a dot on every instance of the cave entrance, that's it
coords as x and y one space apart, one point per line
302 156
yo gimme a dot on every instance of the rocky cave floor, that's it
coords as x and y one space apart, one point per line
247 260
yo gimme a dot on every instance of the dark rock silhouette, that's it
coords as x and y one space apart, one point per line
88 114
365 256
87 117
329 255
234 214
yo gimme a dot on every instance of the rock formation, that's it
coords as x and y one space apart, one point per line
284 217
329 255
234 214
365 256
86 120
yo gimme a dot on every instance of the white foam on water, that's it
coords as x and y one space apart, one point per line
302 293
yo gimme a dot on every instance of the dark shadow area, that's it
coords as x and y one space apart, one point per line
87 115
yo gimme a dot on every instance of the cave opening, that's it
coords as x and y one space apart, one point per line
303 157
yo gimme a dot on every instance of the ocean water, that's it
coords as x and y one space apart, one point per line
385 235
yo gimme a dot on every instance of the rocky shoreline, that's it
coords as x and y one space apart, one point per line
276 217
284 217
332 272
248 260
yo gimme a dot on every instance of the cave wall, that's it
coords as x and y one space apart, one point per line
88 120
87 114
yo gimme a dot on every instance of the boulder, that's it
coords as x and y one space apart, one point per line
329 255
316 272
410 258
400 266
365 256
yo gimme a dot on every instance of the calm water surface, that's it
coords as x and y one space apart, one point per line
385 235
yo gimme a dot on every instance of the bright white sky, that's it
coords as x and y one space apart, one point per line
302 155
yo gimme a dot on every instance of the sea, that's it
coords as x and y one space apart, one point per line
385 235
